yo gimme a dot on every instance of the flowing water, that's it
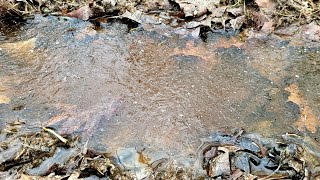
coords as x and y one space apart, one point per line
121 88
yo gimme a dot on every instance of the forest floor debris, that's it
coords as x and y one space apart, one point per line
235 15
233 154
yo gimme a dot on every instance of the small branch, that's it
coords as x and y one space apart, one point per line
64 140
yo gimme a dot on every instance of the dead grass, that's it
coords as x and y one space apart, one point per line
302 11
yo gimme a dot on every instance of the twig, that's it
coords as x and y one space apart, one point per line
124 167
274 172
64 140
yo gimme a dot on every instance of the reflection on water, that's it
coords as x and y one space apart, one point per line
146 89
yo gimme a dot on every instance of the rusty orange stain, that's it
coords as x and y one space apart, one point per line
143 159
229 42
195 50
307 119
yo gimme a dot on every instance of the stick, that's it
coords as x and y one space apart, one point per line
64 140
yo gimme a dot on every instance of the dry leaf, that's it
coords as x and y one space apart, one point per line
311 32
218 12
268 27
136 16
237 22
83 13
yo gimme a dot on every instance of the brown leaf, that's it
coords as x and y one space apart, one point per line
83 13
196 8
268 27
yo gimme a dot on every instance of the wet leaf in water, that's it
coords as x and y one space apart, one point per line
60 157
308 121
73 120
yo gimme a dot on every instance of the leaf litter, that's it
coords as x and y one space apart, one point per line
264 16
225 154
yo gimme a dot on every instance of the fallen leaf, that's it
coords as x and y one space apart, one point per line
311 32
218 12
85 122
267 4
192 24
192 8
268 27
83 13
235 11
236 174
220 166
112 2
196 8
135 16
237 22
196 33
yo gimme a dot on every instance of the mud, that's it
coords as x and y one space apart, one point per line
154 89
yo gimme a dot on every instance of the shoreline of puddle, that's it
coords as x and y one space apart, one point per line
155 90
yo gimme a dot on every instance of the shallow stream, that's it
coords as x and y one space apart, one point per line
154 89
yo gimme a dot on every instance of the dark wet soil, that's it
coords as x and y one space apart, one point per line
153 88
